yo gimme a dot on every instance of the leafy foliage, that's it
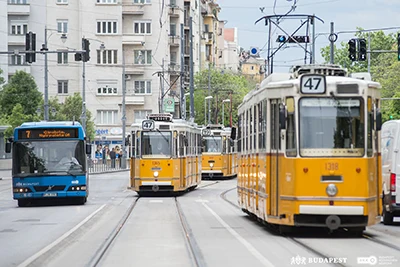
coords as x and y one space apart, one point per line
16 118
222 84
384 68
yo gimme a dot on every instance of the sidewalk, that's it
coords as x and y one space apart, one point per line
5 174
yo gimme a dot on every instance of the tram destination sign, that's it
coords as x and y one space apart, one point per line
312 84
59 133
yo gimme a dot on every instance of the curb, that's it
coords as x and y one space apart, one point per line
109 171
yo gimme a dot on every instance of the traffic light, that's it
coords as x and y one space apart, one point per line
398 46
78 57
85 47
362 50
30 45
352 49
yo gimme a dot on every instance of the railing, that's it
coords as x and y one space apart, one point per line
100 165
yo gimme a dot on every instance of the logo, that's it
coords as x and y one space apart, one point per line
371 260
298 260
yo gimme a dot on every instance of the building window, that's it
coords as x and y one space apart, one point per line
142 27
141 114
62 26
174 57
172 29
19 28
62 87
17 60
18 2
142 57
107 27
107 57
107 117
107 1
141 1
142 87
105 90
62 1
62 58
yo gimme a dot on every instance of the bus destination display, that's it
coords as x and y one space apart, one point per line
47 133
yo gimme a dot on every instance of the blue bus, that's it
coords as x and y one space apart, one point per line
49 161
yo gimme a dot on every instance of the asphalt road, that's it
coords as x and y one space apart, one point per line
200 229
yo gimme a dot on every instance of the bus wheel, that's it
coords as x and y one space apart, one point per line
387 217
23 202
81 200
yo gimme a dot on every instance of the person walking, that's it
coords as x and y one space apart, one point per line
113 156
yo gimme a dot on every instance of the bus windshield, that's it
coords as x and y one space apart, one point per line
156 144
331 127
212 144
41 158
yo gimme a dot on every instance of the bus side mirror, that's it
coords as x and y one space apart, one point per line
233 133
282 118
88 149
8 147
378 121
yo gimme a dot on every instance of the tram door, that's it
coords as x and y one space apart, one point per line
274 161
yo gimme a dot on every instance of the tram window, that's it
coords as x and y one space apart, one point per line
156 143
239 139
255 128
291 129
327 123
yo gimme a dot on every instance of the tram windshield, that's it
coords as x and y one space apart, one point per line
331 127
156 144
41 158
213 144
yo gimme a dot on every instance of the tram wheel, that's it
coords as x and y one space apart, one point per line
23 202
387 217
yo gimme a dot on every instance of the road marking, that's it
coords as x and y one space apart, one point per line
61 238
249 247
202 200
156 201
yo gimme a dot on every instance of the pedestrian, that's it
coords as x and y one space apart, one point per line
120 157
113 156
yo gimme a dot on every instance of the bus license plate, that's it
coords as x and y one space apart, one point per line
50 194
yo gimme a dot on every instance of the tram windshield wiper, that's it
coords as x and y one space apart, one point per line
166 139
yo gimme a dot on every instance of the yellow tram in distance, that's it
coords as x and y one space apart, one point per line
219 159
166 155
309 150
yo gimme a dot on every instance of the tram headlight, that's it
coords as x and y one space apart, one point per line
155 174
331 190
211 165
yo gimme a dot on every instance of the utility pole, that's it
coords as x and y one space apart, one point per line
191 71
83 90
183 97
332 44
369 52
209 92
123 162
162 89
46 79
313 38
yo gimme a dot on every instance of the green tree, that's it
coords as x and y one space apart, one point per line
1 78
223 83
72 110
16 118
21 89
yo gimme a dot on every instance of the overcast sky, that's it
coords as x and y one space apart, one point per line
346 14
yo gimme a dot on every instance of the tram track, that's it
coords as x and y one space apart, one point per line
295 240
96 259
381 242
196 255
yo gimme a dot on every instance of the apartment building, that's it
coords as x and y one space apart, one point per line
141 36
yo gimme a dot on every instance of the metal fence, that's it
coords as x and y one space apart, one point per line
106 165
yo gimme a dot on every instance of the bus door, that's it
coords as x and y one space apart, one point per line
273 190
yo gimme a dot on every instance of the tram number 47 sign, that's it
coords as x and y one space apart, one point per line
148 125
312 84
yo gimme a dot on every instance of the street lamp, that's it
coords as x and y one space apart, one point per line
223 117
205 108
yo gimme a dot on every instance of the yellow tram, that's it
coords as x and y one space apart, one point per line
166 155
309 150
219 159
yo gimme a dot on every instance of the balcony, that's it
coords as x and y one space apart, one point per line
128 8
174 40
134 100
12 69
174 11
174 68
135 70
16 40
132 39
19 9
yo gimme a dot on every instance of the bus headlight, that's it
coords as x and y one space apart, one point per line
155 174
211 165
331 190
